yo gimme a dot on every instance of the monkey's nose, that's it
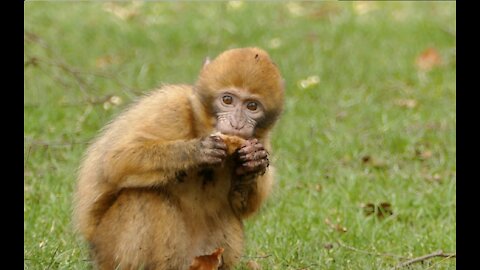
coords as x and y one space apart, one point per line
237 125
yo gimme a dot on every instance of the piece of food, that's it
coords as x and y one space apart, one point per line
233 142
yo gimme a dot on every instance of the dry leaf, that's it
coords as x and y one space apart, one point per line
384 209
337 227
328 246
275 43
208 262
106 60
406 103
381 210
233 5
426 154
366 159
326 10
364 7
295 8
253 265
433 178
368 209
309 82
124 12
428 59
370 161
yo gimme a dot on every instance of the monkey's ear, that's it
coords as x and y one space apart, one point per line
206 61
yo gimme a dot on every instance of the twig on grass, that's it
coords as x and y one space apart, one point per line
27 156
406 262
52 259
34 144
439 253
369 252
258 257
58 62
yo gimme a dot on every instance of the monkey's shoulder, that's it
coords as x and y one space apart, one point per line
162 113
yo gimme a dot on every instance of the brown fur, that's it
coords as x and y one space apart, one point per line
141 198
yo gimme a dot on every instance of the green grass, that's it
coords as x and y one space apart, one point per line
365 63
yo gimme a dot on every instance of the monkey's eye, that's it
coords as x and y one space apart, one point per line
227 100
252 106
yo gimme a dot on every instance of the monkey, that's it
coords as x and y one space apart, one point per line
158 186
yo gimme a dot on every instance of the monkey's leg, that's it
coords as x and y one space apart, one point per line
142 230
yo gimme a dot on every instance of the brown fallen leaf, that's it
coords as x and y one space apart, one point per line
328 246
423 155
428 59
384 209
433 178
381 210
373 162
366 159
208 262
368 209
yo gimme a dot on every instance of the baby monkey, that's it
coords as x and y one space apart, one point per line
173 176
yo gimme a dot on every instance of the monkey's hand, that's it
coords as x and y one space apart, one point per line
253 158
212 151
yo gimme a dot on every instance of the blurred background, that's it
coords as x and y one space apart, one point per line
365 150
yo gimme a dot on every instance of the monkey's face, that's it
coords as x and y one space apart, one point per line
238 113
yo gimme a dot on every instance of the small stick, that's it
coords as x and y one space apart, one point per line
368 252
424 258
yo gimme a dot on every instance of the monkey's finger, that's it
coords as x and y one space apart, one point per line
254 156
253 141
246 149
255 165
220 145
216 139
249 142
252 167
258 146
218 153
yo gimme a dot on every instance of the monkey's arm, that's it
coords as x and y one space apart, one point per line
253 178
249 192
140 158
150 162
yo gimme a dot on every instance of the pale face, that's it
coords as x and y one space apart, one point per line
238 113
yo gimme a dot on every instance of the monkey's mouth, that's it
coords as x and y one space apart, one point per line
234 132
225 127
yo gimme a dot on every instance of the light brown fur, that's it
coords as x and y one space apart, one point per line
142 200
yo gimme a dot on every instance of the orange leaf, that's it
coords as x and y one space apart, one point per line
428 59
208 262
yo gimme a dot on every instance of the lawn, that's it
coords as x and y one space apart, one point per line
369 121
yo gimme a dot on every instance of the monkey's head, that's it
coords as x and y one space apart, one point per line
244 91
